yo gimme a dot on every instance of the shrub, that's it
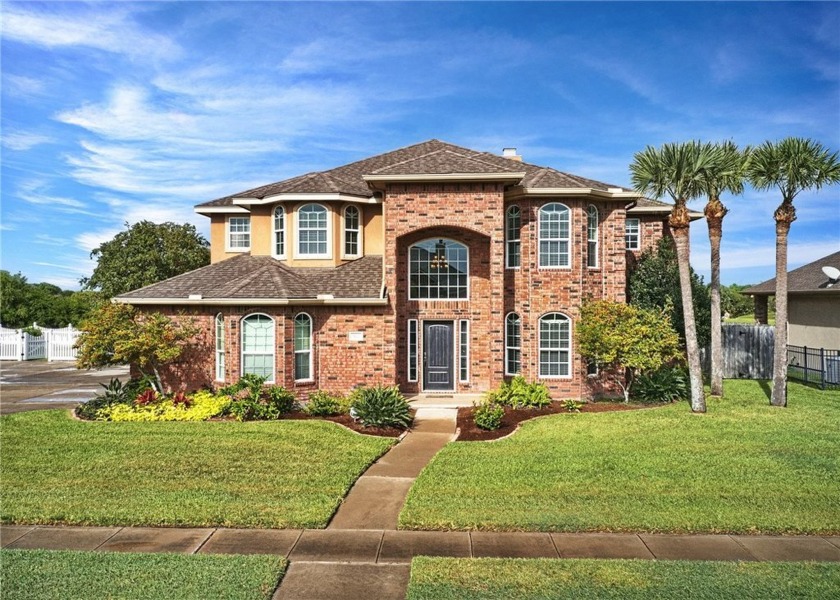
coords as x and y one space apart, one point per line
115 393
196 407
381 406
571 405
518 393
146 397
279 398
668 384
251 401
488 415
325 404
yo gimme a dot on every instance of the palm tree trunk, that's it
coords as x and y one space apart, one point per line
715 211
679 222
784 215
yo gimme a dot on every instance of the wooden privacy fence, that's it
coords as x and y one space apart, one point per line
52 344
748 354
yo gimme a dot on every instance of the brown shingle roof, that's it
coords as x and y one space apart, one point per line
807 278
265 278
429 157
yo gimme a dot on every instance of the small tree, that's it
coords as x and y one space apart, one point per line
118 334
625 340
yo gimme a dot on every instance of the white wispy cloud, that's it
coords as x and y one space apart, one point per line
113 30
19 140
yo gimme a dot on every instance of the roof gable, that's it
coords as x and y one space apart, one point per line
807 278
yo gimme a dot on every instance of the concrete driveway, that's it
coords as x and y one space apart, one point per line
39 385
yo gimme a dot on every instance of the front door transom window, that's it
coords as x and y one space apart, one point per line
438 269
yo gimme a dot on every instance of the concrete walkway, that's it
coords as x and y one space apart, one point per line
341 564
377 498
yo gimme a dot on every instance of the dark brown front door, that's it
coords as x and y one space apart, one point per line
437 355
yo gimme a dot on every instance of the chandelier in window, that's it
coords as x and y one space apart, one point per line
438 261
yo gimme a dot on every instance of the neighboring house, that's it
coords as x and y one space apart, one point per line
813 304
432 267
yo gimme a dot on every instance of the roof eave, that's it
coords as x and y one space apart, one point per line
216 210
307 197
181 301
615 194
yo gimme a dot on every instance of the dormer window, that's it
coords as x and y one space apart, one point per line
238 234
313 232
352 232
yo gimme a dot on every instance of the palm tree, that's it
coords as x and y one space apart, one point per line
677 170
791 165
726 173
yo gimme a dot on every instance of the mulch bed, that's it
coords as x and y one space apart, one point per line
348 422
470 432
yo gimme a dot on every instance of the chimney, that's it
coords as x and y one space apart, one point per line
511 154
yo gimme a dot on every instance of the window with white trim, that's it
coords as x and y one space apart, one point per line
279 232
555 343
513 244
313 231
554 235
592 237
352 230
464 351
412 349
513 344
438 269
632 234
303 347
258 346
220 347
238 234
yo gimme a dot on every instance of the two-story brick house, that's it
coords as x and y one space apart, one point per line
432 267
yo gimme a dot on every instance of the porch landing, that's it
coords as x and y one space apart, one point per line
443 400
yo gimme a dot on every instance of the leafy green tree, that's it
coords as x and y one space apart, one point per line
725 172
791 166
144 254
654 284
676 171
119 334
733 302
14 296
23 303
625 340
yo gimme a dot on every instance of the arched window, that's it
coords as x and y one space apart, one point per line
258 346
220 347
592 237
438 269
513 344
352 230
279 232
555 341
303 347
554 236
513 224
313 231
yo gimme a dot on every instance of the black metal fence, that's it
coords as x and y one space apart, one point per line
814 365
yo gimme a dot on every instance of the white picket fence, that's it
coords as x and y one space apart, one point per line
52 344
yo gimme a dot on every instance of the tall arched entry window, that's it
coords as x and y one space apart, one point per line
438 269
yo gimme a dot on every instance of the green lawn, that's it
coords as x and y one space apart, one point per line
48 574
260 474
544 579
750 319
743 467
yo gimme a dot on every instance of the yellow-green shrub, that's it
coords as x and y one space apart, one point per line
203 405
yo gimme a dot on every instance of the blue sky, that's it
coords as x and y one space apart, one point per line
115 112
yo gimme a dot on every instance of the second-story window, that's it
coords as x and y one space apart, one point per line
313 241
438 269
592 237
513 225
238 234
632 234
279 232
351 231
554 236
